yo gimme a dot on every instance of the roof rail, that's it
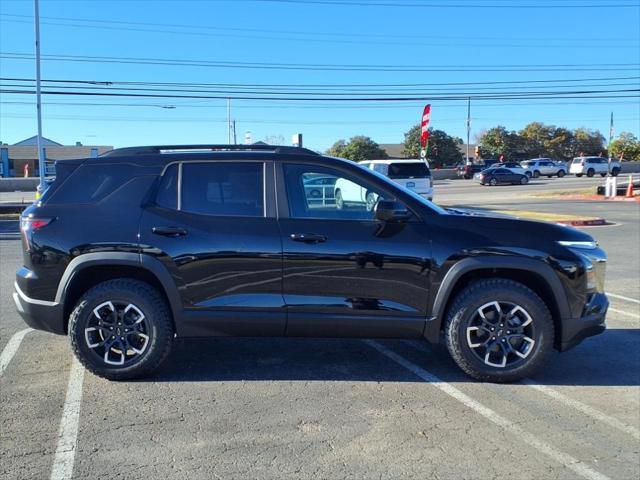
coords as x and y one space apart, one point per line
159 149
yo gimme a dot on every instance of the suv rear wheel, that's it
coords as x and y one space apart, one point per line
498 330
561 173
536 173
121 329
615 171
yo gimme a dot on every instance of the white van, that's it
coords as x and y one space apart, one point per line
412 174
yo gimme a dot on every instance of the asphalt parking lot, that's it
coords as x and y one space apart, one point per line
304 408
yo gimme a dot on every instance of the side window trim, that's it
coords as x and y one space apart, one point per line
179 187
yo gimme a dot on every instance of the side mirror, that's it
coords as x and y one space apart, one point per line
391 211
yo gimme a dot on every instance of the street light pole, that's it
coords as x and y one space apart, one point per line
41 159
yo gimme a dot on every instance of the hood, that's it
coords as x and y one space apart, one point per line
499 229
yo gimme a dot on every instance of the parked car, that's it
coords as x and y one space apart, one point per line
513 166
468 171
499 176
544 166
127 251
589 166
320 189
412 174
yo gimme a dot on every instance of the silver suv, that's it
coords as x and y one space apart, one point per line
543 166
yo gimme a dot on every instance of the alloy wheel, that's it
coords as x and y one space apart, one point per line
501 334
117 332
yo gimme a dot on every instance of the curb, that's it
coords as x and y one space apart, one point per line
592 222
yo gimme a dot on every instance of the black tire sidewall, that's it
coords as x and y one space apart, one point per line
466 304
143 297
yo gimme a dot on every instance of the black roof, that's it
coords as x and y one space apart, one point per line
181 149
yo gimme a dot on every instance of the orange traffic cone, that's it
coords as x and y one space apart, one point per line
630 187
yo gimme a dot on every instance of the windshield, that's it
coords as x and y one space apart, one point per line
409 170
578 160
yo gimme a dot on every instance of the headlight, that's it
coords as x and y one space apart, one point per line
590 245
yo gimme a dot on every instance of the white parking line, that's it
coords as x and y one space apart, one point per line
11 348
622 312
586 409
577 466
620 297
68 433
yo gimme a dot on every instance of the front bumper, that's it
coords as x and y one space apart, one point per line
592 322
39 314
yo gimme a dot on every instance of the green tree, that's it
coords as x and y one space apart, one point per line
498 141
337 149
443 148
587 142
535 139
411 147
627 146
358 148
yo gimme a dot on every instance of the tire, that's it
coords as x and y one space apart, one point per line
615 172
524 180
591 172
370 201
536 174
493 182
561 173
578 175
467 347
339 200
528 174
88 341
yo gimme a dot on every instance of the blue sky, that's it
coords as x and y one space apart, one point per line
471 34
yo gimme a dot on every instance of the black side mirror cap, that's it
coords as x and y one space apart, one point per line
391 211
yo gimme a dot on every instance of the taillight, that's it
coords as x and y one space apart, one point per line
31 224
28 225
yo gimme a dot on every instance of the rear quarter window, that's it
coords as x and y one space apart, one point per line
91 183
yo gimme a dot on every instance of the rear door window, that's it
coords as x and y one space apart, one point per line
223 188
408 170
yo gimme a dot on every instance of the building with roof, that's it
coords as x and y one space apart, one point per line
14 158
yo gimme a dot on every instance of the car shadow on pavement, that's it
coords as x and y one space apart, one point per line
611 359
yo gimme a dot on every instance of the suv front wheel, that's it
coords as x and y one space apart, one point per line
121 329
499 330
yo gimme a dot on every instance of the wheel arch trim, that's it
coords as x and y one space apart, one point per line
470 264
130 259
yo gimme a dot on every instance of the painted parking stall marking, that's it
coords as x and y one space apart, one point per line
626 299
577 466
68 433
11 348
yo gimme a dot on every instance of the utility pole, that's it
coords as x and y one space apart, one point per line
235 141
229 120
41 159
610 135
468 126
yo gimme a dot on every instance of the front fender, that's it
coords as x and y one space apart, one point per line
462 267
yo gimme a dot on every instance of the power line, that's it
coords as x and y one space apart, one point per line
321 85
622 93
450 5
432 91
501 44
331 67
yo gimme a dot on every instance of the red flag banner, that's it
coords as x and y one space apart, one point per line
424 131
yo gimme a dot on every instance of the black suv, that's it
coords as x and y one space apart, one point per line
126 251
